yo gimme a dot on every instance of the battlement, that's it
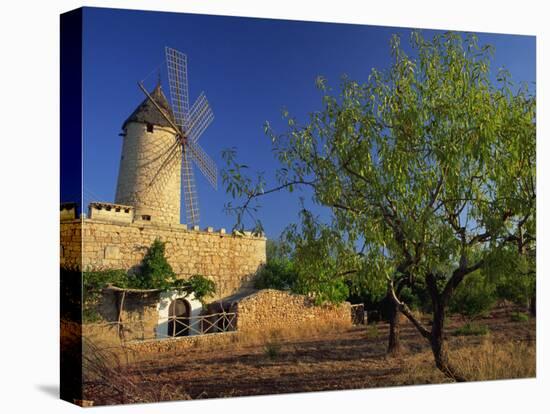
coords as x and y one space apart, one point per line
67 211
116 213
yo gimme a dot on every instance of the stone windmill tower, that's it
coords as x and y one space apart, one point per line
160 142
149 177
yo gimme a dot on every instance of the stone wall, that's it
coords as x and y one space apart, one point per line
174 345
230 260
275 309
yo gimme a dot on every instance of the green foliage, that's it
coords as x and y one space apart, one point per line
279 272
276 274
427 170
277 250
413 298
475 296
199 285
517 288
272 349
519 317
472 329
93 283
155 272
372 332
513 273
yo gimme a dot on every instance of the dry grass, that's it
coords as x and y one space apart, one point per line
290 333
491 360
488 360
108 368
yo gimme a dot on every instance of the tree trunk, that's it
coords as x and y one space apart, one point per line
394 342
439 345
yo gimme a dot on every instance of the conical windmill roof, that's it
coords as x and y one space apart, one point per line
147 112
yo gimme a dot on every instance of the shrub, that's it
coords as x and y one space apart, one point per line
517 288
199 285
472 329
276 274
93 283
272 349
372 331
519 317
475 296
156 272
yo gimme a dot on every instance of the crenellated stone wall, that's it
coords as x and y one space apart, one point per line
230 260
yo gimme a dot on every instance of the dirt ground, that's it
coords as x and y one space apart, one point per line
340 360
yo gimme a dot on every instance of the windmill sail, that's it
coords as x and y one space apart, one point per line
205 163
176 63
190 124
189 190
200 117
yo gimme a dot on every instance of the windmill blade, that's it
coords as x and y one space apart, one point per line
204 162
176 62
189 190
200 117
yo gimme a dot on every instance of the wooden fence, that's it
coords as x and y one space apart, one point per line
171 327
207 324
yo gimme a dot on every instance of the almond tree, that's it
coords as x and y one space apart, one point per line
428 170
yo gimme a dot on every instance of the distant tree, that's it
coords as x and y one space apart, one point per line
428 170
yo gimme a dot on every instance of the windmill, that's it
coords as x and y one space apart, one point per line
189 122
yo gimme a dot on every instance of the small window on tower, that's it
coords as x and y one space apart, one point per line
146 217
149 127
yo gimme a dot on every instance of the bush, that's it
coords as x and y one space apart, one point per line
276 274
156 272
372 331
517 288
474 296
519 317
272 349
199 285
472 329
93 282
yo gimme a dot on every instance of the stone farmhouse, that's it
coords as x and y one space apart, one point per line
147 206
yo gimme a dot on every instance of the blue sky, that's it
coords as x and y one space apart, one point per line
249 69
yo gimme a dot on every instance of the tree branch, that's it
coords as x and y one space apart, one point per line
405 310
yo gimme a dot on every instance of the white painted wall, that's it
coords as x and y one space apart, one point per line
163 307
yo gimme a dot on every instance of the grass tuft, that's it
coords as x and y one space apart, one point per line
472 329
519 317
272 349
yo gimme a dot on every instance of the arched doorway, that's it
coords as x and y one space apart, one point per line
179 312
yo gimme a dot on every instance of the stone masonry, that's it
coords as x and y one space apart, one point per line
149 178
230 260
275 309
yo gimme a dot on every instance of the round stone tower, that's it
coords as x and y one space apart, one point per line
149 177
